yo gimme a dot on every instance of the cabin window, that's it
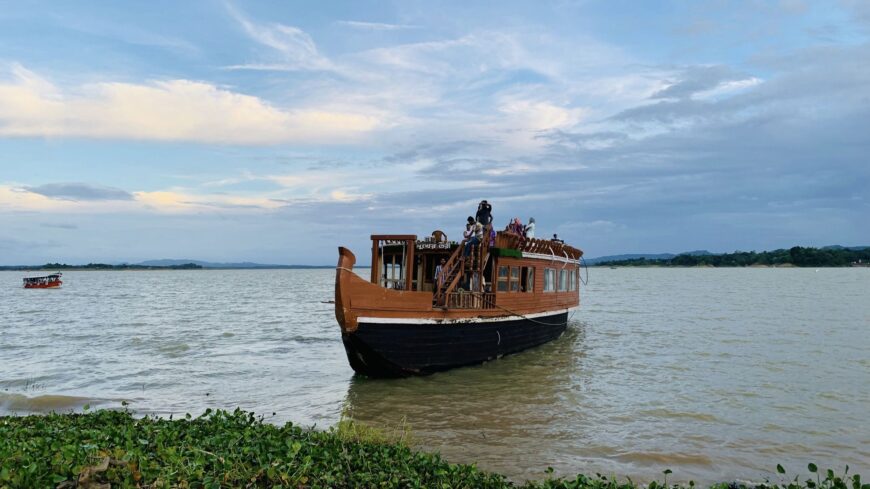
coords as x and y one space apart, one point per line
563 280
549 280
527 279
572 280
515 279
502 279
393 275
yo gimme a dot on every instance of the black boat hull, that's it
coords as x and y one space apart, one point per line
399 349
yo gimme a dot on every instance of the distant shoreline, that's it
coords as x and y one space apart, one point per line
122 268
799 257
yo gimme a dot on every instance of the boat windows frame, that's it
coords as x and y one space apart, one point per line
503 280
381 241
549 280
527 279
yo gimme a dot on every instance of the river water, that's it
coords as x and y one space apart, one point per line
716 374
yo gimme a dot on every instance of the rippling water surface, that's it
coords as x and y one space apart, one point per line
714 373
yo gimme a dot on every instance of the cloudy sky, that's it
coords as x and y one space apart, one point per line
276 131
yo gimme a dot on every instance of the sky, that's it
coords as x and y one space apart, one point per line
275 132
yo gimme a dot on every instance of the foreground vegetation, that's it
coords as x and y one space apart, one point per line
796 256
237 449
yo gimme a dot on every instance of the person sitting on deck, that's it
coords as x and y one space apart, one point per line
473 234
556 239
467 233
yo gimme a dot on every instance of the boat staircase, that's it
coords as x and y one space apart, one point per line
465 270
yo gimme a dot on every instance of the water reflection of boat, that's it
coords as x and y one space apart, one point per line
502 296
45 282
515 416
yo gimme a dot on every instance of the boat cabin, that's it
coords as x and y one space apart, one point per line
504 263
391 255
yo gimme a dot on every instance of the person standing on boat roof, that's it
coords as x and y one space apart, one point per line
517 226
529 230
484 213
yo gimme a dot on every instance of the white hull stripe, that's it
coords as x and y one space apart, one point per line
458 320
544 256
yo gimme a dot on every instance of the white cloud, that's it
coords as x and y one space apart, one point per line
16 198
171 201
173 110
296 48
347 195
540 115
432 58
727 88
375 26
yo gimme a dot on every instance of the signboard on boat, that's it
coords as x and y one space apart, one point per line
432 245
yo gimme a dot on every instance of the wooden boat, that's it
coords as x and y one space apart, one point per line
46 282
509 294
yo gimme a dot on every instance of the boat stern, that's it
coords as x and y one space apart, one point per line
343 274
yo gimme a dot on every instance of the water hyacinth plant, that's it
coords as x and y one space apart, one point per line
237 449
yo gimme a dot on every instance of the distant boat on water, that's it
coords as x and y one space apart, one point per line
45 282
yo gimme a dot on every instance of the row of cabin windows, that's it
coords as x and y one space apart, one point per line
522 279
567 280
515 279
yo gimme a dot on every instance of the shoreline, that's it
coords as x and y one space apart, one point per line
235 449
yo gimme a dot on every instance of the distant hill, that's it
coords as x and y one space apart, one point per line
225 266
636 256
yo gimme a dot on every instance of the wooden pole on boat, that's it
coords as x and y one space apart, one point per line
409 268
375 265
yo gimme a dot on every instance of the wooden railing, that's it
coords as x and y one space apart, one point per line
451 272
470 300
459 266
468 270
509 240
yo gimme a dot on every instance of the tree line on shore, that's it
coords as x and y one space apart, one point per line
797 256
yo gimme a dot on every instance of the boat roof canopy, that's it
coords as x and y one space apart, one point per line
394 237
34 279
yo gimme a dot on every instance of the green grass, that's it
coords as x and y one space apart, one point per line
237 449
352 431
